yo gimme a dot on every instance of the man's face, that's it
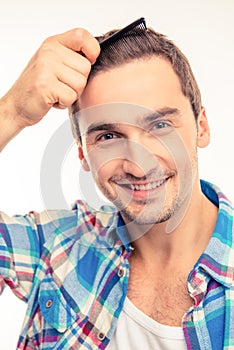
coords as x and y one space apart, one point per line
139 139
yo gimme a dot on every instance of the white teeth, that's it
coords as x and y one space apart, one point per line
148 186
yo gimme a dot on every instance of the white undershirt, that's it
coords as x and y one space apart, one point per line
135 330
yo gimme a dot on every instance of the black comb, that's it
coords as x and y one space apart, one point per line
134 27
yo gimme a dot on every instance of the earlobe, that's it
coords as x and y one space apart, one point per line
203 130
82 159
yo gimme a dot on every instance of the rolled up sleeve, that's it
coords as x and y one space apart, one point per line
19 253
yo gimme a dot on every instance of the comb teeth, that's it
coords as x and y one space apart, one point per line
135 27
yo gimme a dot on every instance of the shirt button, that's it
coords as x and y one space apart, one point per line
49 303
101 336
120 272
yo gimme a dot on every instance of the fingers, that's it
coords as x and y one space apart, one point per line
75 61
70 86
55 76
80 40
74 79
68 96
69 66
50 73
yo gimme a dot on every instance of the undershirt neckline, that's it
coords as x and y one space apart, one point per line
159 329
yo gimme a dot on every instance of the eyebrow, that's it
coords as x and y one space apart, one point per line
100 126
163 112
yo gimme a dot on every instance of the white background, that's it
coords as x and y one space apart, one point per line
202 29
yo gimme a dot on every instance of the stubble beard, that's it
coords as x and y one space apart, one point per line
148 211
150 216
152 211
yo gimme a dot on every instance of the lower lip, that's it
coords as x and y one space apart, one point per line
144 194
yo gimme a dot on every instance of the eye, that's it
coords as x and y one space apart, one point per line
107 136
161 125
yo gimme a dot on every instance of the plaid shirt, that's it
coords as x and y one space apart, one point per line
72 269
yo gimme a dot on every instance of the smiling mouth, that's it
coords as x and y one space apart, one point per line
143 187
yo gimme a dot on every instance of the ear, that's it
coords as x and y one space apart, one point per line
203 130
82 158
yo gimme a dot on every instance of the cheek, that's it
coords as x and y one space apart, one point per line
103 171
179 149
106 157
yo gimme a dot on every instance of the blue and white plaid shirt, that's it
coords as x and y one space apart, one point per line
72 269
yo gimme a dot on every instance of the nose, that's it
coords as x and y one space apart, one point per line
130 167
138 160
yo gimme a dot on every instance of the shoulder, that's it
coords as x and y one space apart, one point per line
81 220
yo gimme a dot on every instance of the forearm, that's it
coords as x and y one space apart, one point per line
9 122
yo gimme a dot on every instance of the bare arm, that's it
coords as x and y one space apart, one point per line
55 77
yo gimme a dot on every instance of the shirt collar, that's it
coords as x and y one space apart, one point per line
218 258
122 233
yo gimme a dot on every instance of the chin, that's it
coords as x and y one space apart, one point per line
146 218
151 214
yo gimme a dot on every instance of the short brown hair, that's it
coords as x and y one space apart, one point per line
145 44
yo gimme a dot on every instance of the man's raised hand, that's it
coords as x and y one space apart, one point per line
55 76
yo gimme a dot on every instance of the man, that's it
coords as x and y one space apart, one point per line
158 271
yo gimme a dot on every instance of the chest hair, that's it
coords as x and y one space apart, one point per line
164 298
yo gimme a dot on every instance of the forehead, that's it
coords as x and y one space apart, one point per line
112 113
136 82
135 89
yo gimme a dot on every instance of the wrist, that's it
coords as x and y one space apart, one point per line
10 117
